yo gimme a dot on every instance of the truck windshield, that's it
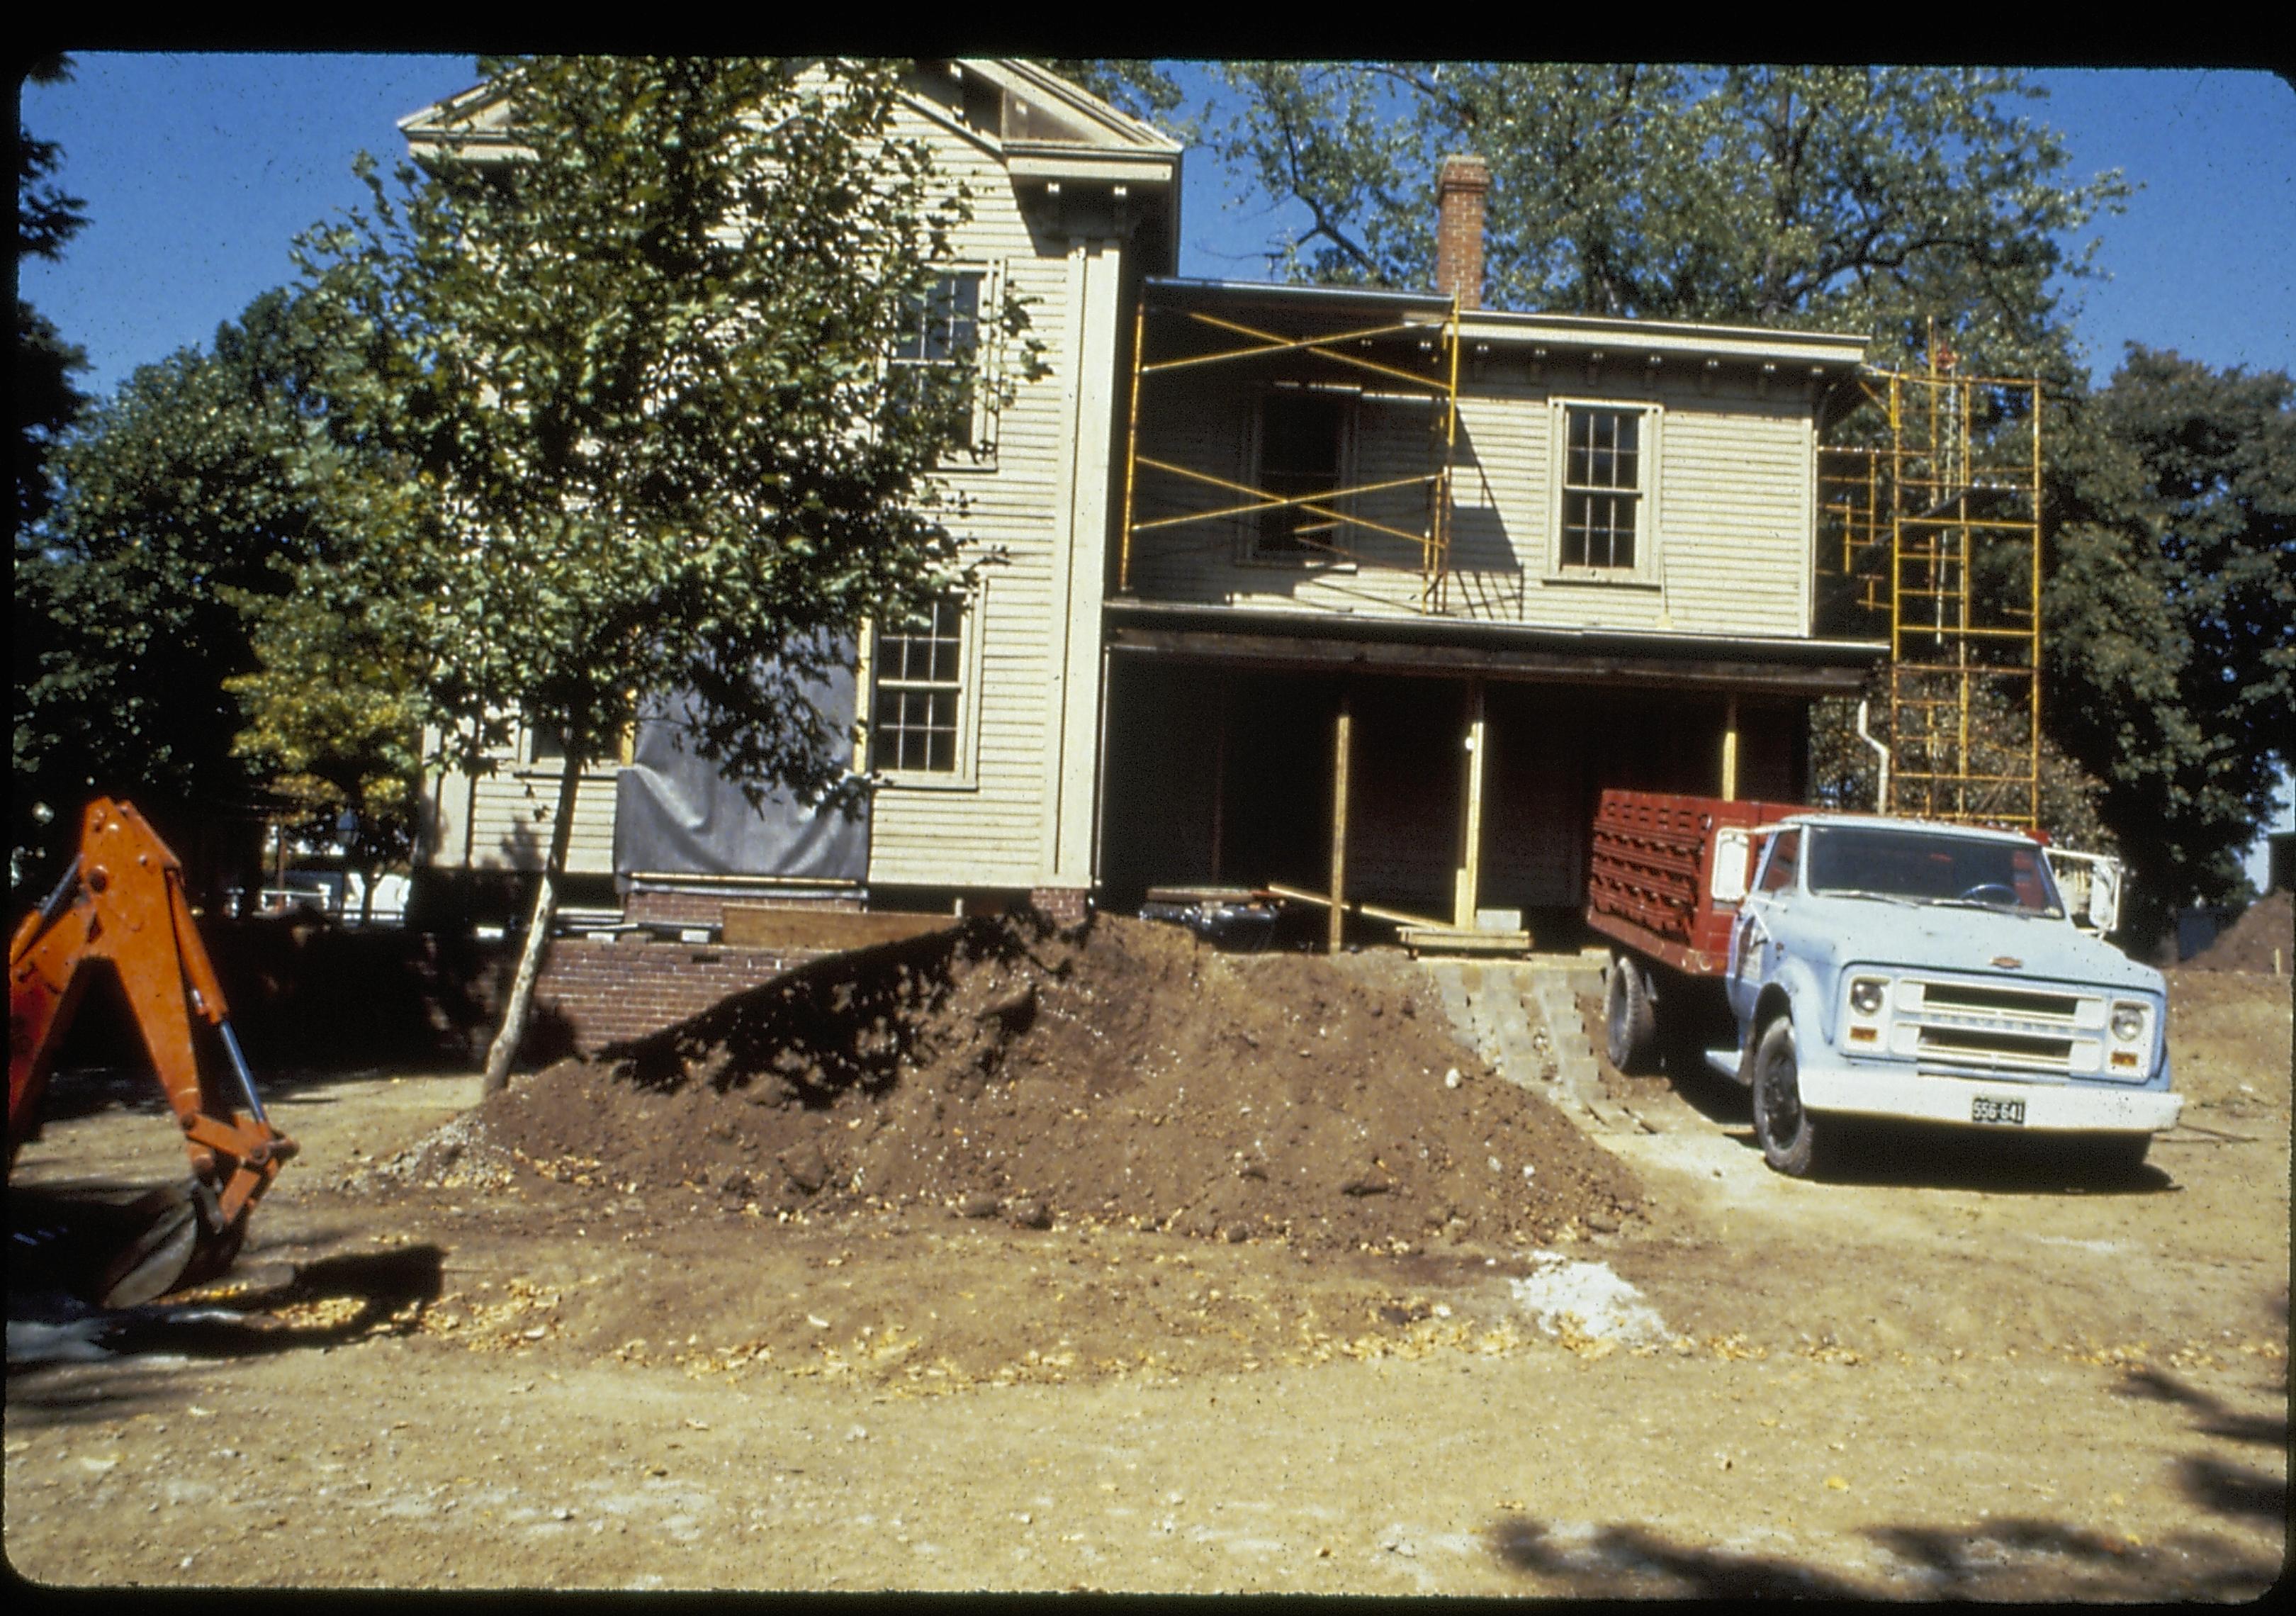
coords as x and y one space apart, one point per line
1880 862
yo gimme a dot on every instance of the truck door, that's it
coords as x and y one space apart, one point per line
1753 953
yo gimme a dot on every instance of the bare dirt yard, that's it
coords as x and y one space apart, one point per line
1015 1260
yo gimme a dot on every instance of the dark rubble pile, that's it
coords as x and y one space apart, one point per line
1120 1072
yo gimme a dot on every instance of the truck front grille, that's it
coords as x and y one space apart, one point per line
1980 1030
2019 1003
1998 1051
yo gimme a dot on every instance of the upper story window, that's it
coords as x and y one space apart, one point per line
917 706
1604 528
944 326
1302 452
943 332
543 745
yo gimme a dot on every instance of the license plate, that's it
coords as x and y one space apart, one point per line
1984 1108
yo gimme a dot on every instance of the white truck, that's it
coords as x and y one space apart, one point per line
1878 968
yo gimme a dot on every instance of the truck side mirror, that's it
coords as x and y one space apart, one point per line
2105 896
2091 884
1734 853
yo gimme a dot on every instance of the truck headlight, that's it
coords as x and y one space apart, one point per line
1866 995
2128 1022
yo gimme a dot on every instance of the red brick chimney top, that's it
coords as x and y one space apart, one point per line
1459 187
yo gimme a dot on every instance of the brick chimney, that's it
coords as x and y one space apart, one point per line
1459 188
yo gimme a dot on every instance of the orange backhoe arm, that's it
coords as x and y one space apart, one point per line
122 903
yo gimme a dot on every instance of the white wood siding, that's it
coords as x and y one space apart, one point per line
1039 522
1035 516
1729 505
501 821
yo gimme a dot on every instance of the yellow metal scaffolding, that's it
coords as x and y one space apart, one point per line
1411 354
1935 528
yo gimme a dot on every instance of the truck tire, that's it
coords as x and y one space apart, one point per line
1788 1133
1629 1022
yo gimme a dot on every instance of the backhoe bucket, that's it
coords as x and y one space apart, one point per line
179 1242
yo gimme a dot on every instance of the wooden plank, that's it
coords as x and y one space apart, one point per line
809 926
1454 939
1393 917
1201 895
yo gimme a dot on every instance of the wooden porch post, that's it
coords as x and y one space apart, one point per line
1730 748
1342 739
1466 888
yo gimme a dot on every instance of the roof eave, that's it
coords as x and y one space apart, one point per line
1822 350
1059 160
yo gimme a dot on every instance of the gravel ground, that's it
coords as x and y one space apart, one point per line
1949 1374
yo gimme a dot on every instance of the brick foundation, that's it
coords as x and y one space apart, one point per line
642 906
1065 905
592 993
673 908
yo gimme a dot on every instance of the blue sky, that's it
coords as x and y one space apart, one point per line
198 169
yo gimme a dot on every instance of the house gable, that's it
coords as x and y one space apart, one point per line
989 777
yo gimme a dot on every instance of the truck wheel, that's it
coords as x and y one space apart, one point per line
1629 1020
1788 1133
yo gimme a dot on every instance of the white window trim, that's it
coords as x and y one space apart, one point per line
967 775
526 766
1649 454
1247 553
981 454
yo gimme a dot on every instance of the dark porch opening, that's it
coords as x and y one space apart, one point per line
1220 775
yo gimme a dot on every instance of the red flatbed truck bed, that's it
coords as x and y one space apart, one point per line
1649 880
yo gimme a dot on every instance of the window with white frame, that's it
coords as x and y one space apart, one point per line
917 706
543 744
1604 528
942 333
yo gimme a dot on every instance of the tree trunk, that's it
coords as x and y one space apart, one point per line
538 935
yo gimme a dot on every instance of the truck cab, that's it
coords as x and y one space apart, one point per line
1907 969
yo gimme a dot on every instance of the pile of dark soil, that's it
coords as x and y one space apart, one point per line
1120 1072
2249 943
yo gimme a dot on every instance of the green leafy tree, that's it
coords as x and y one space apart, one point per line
2171 612
182 501
634 378
46 400
1845 772
42 365
1131 85
1862 199
334 722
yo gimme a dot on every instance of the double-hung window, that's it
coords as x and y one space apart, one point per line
1604 529
941 336
917 707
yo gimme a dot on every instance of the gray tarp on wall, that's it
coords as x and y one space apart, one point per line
675 815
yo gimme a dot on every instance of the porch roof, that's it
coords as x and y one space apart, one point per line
1453 648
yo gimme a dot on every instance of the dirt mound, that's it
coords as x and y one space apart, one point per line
1120 1072
2248 942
